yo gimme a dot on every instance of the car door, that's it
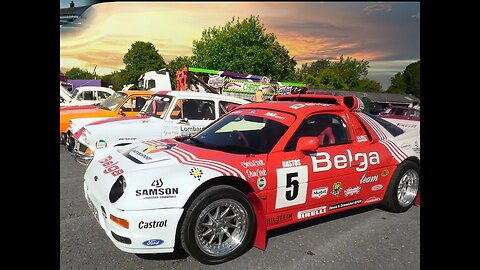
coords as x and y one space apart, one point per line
187 117
313 183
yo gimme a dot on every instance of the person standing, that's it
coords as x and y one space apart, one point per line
367 103
259 95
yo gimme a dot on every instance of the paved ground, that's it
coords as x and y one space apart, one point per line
368 238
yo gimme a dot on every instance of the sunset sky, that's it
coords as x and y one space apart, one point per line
387 34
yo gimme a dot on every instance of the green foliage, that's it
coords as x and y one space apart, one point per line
407 82
347 73
79 74
140 58
244 47
177 64
116 79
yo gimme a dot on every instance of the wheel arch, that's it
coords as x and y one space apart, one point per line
259 240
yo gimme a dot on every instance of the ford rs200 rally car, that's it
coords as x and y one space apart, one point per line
166 114
260 167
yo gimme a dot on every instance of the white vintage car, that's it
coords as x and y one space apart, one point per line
166 114
84 95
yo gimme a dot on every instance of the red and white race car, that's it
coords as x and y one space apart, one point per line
260 167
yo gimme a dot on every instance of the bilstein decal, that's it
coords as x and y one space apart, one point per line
279 219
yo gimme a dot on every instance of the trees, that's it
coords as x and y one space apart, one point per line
407 82
347 73
244 47
79 74
140 58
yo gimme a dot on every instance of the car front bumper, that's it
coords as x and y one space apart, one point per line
149 231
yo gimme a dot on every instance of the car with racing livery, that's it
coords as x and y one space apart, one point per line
119 104
403 116
167 114
262 166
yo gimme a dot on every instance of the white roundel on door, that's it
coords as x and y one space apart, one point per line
292 186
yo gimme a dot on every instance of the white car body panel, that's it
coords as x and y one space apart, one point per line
70 100
142 127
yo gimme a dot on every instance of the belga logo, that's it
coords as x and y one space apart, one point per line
153 242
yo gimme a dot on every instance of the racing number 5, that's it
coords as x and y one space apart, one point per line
292 185
293 193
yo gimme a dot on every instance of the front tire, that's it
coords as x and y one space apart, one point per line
218 225
403 188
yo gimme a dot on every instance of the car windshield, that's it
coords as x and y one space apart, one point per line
241 134
157 106
113 101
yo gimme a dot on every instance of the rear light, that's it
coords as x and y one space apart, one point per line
120 221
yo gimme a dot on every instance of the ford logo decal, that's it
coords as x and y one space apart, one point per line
153 242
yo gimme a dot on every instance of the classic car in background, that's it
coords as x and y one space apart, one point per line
83 95
167 114
260 167
402 116
120 104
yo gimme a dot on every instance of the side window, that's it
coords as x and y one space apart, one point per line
177 110
150 84
225 107
207 110
328 128
191 109
139 102
129 105
102 95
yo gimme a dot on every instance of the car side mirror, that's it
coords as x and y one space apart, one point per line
307 144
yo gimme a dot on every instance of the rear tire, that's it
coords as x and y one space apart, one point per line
403 188
218 225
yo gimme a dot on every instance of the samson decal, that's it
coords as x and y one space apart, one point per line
292 186
312 212
323 162
110 166
279 219
345 204
158 192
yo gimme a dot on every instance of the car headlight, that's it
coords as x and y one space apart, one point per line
117 189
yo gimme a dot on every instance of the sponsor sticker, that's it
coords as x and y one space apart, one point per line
312 212
157 192
362 138
261 183
101 144
377 187
152 224
152 242
345 204
279 219
352 191
110 166
384 173
323 161
291 163
337 187
372 199
368 179
318 193
196 173
157 148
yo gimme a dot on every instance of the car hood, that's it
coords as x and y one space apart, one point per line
163 164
